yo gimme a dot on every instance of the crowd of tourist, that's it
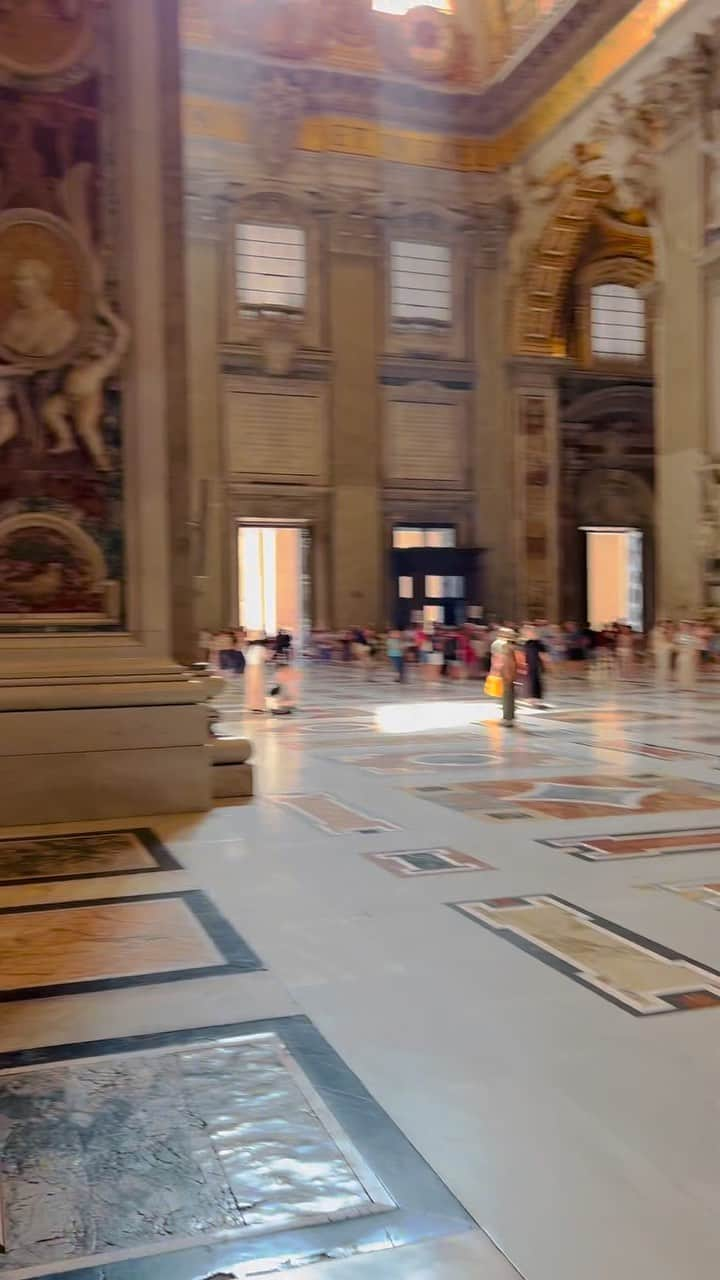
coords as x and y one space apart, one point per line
675 652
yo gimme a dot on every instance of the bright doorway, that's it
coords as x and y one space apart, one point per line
272 578
615 577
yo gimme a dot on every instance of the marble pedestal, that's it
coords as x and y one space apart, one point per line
76 749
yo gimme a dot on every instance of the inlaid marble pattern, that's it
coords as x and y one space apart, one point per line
124 1155
649 749
705 893
432 761
638 844
427 862
607 715
113 942
81 856
583 796
640 976
332 816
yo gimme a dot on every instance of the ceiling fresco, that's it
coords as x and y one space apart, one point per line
492 76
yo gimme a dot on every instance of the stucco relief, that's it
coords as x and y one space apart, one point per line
62 343
43 37
610 497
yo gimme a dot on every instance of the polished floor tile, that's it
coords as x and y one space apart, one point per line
638 844
427 862
502 1060
145 1152
331 815
81 856
632 972
183 1154
576 796
109 942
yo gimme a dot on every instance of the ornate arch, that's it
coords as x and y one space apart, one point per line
632 402
537 328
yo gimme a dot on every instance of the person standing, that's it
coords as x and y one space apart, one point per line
509 675
535 658
255 658
503 671
396 654
662 647
687 644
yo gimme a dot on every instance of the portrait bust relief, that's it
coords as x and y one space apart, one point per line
38 325
45 303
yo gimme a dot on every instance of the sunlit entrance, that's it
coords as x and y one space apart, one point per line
272 578
615 577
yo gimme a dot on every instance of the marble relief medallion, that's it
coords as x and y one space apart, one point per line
43 37
63 341
577 796
636 974
45 300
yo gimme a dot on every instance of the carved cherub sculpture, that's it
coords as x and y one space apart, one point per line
74 414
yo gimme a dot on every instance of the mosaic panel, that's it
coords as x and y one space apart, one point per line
638 844
332 816
57 949
427 862
82 856
639 975
584 796
228 1137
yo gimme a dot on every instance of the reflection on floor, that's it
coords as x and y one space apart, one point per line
234 1045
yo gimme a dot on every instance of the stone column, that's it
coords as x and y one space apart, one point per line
680 377
320 575
536 446
355 431
96 718
712 347
492 441
203 272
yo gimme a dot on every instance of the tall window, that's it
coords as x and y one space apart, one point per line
617 322
421 283
270 272
404 6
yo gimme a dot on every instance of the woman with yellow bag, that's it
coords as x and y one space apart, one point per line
503 670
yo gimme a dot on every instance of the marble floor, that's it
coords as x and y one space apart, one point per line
409 1013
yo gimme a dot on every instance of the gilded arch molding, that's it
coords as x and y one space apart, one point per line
538 302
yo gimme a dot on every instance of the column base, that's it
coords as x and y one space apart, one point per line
103 749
